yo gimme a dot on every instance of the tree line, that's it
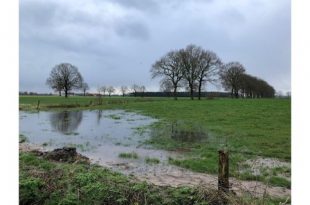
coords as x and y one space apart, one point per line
190 68
66 77
239 83
193 67
123 89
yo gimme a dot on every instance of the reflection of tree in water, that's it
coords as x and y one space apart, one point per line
66 121
99 116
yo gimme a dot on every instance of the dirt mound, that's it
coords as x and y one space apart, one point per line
65 154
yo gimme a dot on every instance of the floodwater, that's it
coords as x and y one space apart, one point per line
100 135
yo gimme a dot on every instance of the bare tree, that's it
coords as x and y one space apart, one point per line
208 68
65 76
85 87
55 84
99 90
104 89
189 65
142 89
169 68
231 76
124 89
110 90
193 67
166 86
135 88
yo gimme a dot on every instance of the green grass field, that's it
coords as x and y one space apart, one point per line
247 127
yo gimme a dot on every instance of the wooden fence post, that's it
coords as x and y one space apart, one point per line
38 105
223 172
223 176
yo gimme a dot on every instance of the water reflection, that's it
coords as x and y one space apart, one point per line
181 131
98 137
66 121
99 116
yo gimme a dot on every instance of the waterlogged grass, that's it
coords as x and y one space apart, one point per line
22 138
247 127
141 130
280 181
49 182
114 117
83 147
258 126
150 160
130 155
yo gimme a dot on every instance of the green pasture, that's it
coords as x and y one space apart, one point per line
248 128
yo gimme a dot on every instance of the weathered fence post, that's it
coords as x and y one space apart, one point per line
38 105
223 174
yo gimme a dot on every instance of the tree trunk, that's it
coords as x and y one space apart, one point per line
236 94
175 93
66 93
191 91
192 94
199 90
59 92
84 93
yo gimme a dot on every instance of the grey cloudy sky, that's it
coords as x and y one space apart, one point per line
115 42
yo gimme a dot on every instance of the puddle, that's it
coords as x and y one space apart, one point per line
100 135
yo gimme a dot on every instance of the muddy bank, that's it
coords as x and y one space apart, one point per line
167 175
176 176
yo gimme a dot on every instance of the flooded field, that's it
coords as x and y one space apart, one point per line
105 136
116 139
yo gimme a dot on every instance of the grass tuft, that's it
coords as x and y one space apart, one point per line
149 160
130 155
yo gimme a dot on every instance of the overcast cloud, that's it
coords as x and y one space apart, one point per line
115 42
